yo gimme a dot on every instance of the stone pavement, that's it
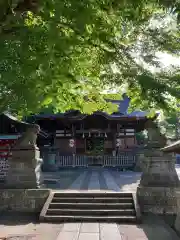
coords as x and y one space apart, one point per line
151 229
94 178
20 228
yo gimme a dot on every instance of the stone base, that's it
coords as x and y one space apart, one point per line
177 221
24 169
160 170
157 200
154 179
23 200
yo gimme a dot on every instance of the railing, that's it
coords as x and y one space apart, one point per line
72 161
64 161
80 160
124 159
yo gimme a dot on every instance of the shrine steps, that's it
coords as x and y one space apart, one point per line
90 207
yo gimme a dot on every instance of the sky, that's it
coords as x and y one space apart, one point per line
167 59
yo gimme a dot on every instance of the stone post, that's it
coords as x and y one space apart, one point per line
156 192
175 148
50 160
25 163
140 162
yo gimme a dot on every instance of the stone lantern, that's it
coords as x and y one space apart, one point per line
175 148
159 183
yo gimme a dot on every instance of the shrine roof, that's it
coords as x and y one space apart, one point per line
12 119
121 114
134 115
20 126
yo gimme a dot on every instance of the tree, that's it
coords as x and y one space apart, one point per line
62 52
151 89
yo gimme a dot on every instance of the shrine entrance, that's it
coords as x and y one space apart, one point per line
95 150
95 146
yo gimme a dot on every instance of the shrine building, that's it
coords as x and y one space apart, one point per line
101 139
73 139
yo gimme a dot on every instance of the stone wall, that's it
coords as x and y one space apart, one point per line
23 200
157 200
177 221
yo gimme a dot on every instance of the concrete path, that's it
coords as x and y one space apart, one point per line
151 229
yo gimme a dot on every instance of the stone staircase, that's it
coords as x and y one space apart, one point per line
90 206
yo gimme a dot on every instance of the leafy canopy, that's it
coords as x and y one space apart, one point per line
62 53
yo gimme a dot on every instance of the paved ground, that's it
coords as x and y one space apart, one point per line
93 179
18 228
151 229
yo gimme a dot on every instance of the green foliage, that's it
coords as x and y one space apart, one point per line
169 125
61 53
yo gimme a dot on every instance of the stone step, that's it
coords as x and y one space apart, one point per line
90 205
102 199
93 194
91 212
70 218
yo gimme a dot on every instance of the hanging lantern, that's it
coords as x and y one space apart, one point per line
83 135
71 143
105 135
118 142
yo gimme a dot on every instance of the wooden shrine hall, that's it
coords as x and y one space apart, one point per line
99 139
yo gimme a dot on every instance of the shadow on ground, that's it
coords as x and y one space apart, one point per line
155 228
14 219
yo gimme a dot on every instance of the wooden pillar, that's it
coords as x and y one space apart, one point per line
74 138
85 146
83 136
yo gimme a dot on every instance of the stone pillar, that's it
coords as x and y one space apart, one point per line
140 162
24 168
156 192
159 182
50 160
